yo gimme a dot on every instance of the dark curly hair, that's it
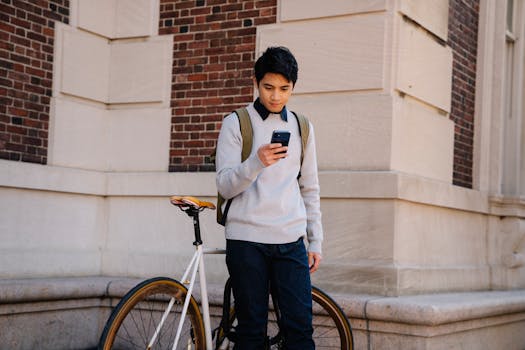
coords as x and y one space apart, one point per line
276 60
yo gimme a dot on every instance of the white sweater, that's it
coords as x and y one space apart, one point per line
270 204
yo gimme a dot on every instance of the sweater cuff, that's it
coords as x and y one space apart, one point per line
314 247
255 164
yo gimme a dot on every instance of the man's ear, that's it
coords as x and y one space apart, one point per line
255 84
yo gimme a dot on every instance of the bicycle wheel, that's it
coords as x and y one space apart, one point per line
134 320
331 327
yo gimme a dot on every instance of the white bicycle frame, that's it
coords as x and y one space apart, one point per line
196 264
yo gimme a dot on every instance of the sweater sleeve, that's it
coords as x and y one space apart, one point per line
234 176
310 191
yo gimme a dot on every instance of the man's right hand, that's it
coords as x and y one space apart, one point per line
269 153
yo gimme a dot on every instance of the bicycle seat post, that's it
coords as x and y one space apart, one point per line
194 213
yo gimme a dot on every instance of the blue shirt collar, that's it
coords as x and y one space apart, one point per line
264 113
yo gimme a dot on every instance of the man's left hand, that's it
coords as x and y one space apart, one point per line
314 259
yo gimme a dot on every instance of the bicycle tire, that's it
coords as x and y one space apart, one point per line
331 327
337 316
133 321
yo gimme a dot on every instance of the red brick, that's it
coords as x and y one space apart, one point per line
264 20
218 17
6 27
463 41
196 93
20 23
214 67
35 72
181 152
179 136
195 110
184 4
32 141
200 11
194 143
193 127
247 14
183 37
266 12
17 111
212 101
30 55
265 3
201 59
237 7
199 45
13 129
210 135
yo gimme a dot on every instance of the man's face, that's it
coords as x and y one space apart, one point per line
274 91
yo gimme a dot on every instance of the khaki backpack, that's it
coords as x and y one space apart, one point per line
247 142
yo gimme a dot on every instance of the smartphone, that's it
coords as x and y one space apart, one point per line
281 136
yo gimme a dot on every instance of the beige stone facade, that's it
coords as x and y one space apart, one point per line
417 262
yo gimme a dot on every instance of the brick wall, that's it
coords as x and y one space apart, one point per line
26 68
462 38
213 53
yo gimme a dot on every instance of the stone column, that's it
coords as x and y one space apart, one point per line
375 80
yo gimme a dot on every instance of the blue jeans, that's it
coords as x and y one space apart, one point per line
252 267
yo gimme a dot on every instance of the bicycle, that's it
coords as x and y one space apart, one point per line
162 313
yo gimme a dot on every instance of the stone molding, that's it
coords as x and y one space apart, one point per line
334 184
376 321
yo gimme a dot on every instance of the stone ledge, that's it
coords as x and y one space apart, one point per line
433 309
438 309
30 290
478 320
427 310
52 289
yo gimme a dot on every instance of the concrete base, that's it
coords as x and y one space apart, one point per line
69 313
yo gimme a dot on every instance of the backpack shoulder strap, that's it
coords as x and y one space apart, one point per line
246 132
304 130
247 142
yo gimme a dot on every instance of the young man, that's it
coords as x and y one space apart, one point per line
273 209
